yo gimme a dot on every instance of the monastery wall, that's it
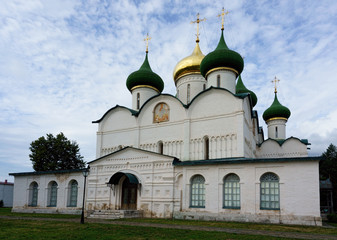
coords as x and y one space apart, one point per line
295 193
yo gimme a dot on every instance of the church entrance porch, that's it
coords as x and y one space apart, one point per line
125 191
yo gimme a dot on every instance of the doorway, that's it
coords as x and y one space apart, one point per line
129 195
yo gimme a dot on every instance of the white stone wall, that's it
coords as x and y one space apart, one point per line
280 124
21 193
155 175
292 147
227 79
299 192
144 94
224 124
196 82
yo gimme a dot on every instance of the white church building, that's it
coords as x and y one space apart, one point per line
199 154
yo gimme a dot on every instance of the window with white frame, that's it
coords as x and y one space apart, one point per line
33 193
269 192
72 193
231 191
197 191
52 194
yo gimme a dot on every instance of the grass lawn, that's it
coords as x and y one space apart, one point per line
7 212
239 225
32 229
39 229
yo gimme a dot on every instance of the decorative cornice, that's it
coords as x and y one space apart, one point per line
144 86
221 68
277 118
187 72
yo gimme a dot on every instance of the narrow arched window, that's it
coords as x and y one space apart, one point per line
33 193
206 148
276 132
197 191
138 100
269 192
188 93
52 193
160 147
72 193
231 191
204 87
218 80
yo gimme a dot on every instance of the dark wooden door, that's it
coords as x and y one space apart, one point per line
129 195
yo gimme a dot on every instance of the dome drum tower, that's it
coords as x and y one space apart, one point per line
144 83
276 117
187 77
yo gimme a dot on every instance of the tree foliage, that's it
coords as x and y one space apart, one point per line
55 153
328 169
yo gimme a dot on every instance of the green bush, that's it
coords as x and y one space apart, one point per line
332 217
1 203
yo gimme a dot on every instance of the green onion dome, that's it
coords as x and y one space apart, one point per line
145 77
276 110
241 88
222 58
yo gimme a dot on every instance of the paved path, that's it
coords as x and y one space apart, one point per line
293 235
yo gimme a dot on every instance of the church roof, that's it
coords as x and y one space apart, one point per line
222 57
136 113
145 77
241 88
276 110
282 141
129 147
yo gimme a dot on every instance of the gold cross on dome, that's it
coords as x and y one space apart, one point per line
147 39
197 22
222 15
275 81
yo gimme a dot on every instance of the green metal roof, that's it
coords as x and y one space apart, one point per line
241 88
276 110
282 141
145 76
222 56
177 162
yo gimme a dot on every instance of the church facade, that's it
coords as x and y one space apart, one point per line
200 154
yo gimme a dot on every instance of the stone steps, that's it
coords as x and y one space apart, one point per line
116 214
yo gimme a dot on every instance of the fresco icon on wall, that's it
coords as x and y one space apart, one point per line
161 113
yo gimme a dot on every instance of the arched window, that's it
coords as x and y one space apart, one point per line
52 194
138 100
188 93
160 147
204 87
276 132
72 193
218 80
231 191
206 147
33 193
269 191
197 191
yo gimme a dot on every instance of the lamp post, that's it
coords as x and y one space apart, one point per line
85 174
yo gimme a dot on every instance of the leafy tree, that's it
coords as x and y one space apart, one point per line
328 169
55 153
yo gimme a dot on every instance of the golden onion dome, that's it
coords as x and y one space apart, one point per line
189 65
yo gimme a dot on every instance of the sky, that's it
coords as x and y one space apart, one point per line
63 64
